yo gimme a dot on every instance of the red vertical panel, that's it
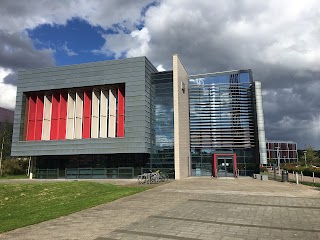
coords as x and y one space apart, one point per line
31 118
284 150
39 117
63 116
120 117
235 165
86 128
290 150
54 117
214 170
31 130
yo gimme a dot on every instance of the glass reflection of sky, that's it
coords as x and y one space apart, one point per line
221 79
220 102
162 155
163 124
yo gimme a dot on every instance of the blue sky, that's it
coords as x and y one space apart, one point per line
72 43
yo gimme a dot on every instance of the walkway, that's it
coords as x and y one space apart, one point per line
194 208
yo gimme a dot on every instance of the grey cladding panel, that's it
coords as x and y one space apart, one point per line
133 72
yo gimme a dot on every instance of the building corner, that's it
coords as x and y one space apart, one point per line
181 120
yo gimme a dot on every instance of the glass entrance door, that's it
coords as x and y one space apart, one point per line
225 166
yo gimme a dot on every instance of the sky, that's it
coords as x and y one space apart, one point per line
278 40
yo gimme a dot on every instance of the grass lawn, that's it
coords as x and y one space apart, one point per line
13 176
311 184
26 204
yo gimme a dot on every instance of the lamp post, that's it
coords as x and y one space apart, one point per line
305 157
278 156
1 152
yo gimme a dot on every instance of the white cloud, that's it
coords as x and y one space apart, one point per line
68 51
18 52
160 68
141 40
16 16
132 44
240 32
8 91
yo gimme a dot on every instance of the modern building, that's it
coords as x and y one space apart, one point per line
118 118
287 151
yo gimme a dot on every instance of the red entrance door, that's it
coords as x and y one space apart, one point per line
224 165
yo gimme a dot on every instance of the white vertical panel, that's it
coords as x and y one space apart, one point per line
103 113
70 115
46 117
112 112
79 115
95 114
260 124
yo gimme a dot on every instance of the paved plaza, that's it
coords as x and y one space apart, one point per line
194 208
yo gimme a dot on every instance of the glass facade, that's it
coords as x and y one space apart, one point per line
162 154
222 120
92 163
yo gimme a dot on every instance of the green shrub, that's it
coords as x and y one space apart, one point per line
307 171
14 167
263 169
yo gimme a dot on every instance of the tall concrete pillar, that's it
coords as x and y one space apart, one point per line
181 120
260 124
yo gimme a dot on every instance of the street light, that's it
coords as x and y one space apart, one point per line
278 156
305 157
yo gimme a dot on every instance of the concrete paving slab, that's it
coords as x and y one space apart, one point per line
194 208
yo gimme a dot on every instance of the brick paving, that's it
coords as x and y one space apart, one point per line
194 208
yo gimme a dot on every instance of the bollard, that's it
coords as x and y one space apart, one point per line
301 176
297 179
313 179
275 172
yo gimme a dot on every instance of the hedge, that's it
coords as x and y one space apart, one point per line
307 171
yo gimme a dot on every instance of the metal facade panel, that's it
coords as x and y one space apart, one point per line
95 114
39 117
121 105
104 105
31 117
132 72
86 131
63 115
112 113
70 115
47 117
54 117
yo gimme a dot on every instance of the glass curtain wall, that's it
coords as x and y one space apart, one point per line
162 154
221 119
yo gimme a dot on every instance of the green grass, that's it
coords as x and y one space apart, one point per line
311 184
13 176
279 179
26 204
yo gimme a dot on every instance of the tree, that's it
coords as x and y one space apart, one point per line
311 156
5 142
271 161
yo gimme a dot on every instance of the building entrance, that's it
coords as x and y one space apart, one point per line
224 165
